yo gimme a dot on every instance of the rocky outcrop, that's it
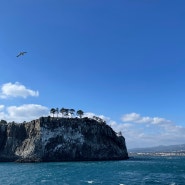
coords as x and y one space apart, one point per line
60 139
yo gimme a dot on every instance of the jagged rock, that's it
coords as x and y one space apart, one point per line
60 139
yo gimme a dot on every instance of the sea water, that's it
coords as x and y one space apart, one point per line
135 171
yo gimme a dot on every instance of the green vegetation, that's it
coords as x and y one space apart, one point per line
3 122
57 111
98 119
52 111
80 113
71 113
66 112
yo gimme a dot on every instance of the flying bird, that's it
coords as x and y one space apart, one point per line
21 53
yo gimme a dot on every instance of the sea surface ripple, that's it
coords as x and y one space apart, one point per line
140 170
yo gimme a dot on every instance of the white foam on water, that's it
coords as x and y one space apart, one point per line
90 182
43 181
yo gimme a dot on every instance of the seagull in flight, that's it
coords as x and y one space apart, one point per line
21 53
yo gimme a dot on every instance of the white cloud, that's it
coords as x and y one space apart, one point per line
153 136
16 90
139 131
151 131
131 117
146 131
25 112
90 115
2 114
137 118
1 107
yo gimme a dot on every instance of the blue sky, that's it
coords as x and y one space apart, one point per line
122 60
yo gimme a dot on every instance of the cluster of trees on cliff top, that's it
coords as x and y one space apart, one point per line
71 112
66 112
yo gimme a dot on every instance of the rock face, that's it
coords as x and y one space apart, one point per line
62 139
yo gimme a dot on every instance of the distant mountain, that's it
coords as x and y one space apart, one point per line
161 148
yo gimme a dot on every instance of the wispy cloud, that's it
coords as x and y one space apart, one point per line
90 115
142 131
1 107
16 90
139 131
137 118
146 131
22 113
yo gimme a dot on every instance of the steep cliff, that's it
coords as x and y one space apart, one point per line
62 139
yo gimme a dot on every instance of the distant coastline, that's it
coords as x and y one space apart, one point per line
156 154
171 150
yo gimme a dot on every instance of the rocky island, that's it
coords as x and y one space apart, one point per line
50 139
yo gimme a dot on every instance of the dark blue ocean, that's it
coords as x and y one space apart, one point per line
135 171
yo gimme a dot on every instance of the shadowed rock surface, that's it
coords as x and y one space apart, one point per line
62 139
